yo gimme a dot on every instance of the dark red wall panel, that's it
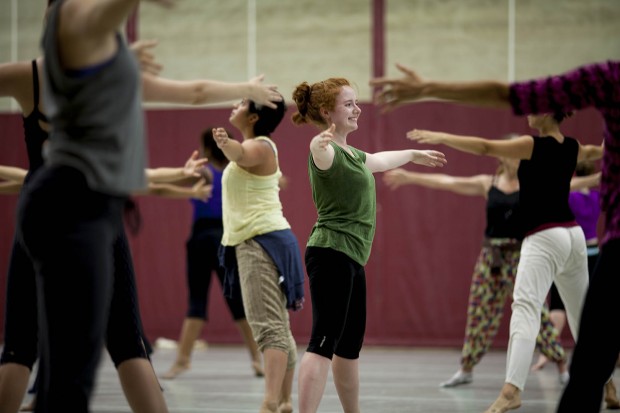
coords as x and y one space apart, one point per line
426 242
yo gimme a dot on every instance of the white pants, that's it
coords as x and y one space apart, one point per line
552 255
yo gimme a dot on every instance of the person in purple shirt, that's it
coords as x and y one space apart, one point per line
595 85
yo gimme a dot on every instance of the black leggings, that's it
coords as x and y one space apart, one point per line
71 233
598 343
202 260
20 311
124 324
338 293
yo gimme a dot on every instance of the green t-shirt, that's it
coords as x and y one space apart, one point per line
346 204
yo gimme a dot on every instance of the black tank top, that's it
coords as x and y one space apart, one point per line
545 182
503 218
33 133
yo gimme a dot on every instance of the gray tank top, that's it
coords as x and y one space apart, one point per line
96 116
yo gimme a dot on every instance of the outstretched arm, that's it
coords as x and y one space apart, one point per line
10 187
321 150
13 173
205 91
582 182
383 161
394 92
13 179
590 152
201 190
196 92
16 82
191 169
477 185
247 154
518 148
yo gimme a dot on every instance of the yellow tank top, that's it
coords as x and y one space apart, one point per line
250 203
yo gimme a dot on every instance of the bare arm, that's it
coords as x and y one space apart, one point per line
192 169
383 161
248 154
16 82
582 182
477 185
590 152
205 91
394 92
283 182
10 187
201 190
13 173
321 150
518 148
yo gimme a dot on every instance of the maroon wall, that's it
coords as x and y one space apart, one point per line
424 250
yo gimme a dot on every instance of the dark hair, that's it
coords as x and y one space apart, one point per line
584 168
50 2
560 116
208 142
268 118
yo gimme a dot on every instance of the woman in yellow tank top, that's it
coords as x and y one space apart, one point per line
260 252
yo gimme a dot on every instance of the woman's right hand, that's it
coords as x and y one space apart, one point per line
264 94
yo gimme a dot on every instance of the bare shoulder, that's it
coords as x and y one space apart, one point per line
16 71
16 82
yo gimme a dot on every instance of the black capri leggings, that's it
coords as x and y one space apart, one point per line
202 260
338 293
125 337
71 234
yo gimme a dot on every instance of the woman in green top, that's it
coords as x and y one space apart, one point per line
343 190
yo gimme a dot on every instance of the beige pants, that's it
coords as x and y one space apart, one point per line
264 301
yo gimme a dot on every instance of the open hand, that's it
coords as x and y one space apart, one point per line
264 94
321 141
396 91
194 165
202 190
395 178
425 136
145 57
221 137
429 158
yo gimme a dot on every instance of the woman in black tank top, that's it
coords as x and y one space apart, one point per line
495 270
554 245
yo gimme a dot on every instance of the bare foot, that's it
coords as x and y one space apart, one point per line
175 370
286 407
611 398
540 364
503 404
258 369
267 407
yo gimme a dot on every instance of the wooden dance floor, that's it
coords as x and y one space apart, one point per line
393 380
